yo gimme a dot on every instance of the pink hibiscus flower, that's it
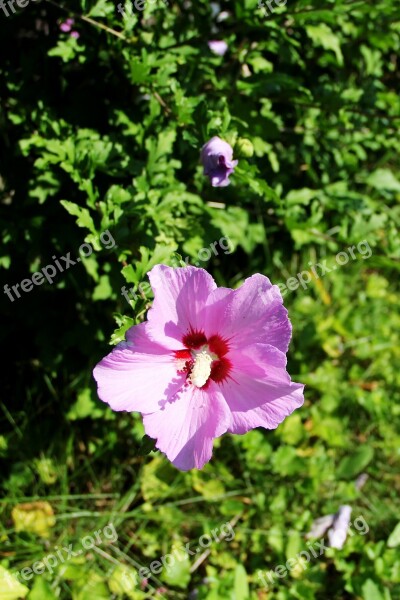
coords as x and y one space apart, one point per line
208 361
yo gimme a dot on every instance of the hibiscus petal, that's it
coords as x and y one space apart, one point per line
259 391
138 337
134 381
217 311
250 314
180 296
261 362
231 164
219 178
214 148
270 414
186 428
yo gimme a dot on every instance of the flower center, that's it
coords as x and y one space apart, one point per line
203 359
201 368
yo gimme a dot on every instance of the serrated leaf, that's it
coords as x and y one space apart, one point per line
84 218
323 36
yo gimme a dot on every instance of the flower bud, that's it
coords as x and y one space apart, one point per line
244 148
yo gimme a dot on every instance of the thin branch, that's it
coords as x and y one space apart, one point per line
117 34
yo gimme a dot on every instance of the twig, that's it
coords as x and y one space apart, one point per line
118 34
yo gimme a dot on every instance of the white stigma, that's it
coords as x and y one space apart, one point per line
201 369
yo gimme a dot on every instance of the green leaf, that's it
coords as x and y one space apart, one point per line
241 585
302 196
85 406
286 462
323 36
10 587
92 587
260 64
66 49
124 323
177 573
41 590
371 591
84 218
352 465
294 544
46 470
34 517
232 222
139 70
383 179
102 8
124 581
394 537
103 290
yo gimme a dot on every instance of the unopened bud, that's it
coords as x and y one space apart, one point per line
244 148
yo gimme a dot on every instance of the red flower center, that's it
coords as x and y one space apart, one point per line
203 359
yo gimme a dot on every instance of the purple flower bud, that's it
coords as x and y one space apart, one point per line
66 26
216 156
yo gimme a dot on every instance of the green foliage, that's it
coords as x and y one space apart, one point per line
100 139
